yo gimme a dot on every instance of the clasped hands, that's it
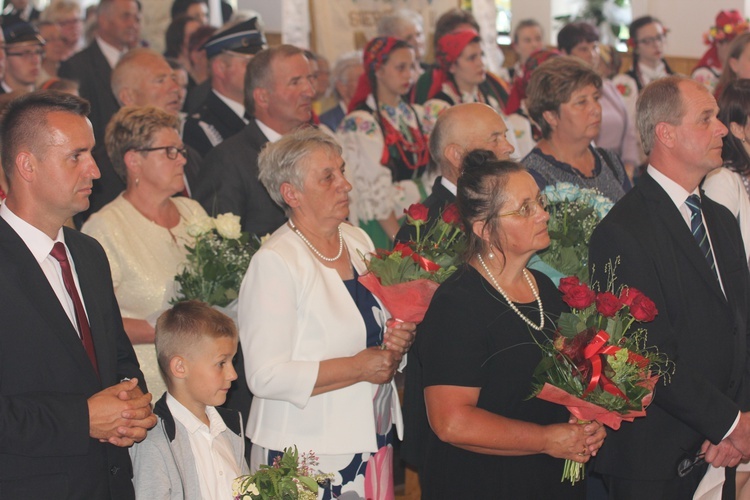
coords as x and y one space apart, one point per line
121 414
378 365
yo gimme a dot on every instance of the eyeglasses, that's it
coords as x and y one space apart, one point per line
652 40
69 22
687 465
26 54
529 207
171 151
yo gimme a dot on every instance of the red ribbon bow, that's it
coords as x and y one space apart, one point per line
593 352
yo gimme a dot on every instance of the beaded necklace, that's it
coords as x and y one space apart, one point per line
315 250
510 302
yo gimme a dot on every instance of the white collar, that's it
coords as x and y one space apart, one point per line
192 423
677 193
111 53
38 243
235 106
270 133
449 185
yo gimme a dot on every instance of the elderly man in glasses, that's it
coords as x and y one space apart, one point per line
23 53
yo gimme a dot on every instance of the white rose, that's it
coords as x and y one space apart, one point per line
252 489
228 226
200 225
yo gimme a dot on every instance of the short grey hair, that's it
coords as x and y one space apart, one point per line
285 160
259 74
343 63
660 101
390 24
128 72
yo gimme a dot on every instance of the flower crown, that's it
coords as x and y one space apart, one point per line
724 33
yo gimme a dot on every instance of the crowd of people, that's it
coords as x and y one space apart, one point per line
110 149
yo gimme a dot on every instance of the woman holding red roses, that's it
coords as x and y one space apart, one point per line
477 347
385 141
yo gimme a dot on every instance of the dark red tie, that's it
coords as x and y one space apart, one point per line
58 252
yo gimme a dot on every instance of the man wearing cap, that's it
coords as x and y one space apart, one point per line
119 28
24 48
222 114
19 11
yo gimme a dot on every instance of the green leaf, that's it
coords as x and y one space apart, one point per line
569 325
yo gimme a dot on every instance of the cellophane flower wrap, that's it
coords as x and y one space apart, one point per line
217 261
292 476
405 278
574 213
597 364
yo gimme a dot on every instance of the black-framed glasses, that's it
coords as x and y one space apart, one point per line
529 207
687 465
25 54
172 151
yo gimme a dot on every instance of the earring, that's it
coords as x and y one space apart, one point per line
490 255
137 181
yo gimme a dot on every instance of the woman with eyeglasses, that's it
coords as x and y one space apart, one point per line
563 100
144 229
477 349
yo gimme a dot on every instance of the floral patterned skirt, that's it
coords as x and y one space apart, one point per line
359 476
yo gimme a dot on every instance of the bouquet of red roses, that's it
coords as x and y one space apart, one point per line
405 278
595 365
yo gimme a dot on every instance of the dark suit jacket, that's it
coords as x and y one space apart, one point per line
91 70
216 113
228 182
435 203
110 184
703 332
46 377
333 117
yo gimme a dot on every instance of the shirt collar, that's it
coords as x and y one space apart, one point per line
192 423
677 193
235 106
270 134
111 53
449 185
38 243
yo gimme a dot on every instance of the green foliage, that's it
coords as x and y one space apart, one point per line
215 267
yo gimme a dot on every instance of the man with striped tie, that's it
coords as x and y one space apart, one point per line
685 252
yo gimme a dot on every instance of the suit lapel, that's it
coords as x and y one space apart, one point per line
21 267
669 216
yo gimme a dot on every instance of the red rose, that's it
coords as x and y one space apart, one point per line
417 214
451 216
607 304
643 309
579 297
629 294
567 283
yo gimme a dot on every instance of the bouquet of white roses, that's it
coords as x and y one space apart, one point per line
574 213
217 262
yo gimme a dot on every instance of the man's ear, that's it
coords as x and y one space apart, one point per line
126 97
665 133
25 165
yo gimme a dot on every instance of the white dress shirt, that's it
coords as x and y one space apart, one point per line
214 460
111 53
40 245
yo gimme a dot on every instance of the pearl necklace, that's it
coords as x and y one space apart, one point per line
315 250
510 302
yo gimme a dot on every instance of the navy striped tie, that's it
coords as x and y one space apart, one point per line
699 229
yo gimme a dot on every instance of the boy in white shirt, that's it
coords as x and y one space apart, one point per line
195 450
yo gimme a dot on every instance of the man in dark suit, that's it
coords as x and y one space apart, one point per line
345 75
702 294
119 28
458 130
222 114
70 399
278 96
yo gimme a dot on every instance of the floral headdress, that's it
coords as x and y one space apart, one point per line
449 49
632 42
729 24
375 53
